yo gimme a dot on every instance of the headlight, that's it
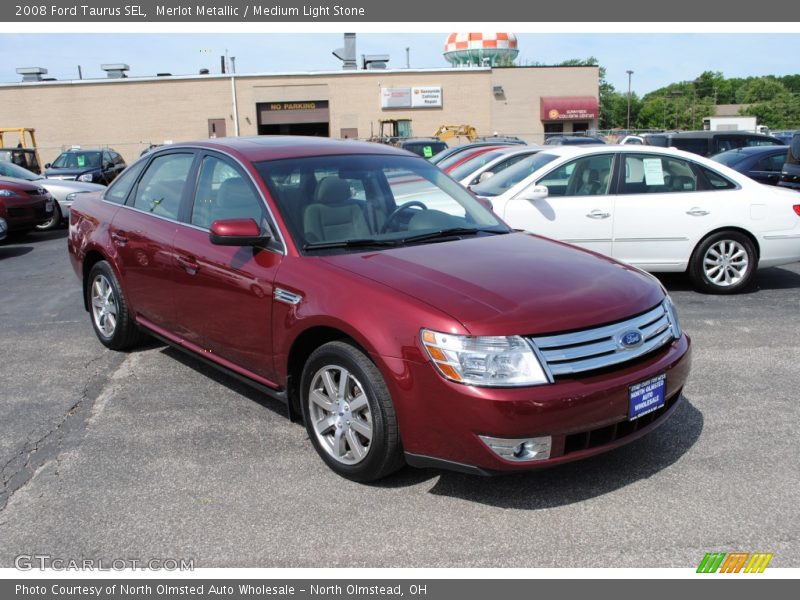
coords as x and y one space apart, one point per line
484 361
672 314
86 177
7 193
71 196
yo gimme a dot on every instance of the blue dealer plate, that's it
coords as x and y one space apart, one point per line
647 396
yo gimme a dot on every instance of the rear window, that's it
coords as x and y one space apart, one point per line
730 158
425 149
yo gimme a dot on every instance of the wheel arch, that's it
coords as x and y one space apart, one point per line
302 347
748 234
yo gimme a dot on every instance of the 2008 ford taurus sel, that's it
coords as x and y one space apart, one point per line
370 292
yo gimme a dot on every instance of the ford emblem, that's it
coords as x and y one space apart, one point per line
630 339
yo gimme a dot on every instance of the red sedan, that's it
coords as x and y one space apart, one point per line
380 300
23 205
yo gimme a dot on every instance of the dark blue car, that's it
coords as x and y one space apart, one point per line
762 163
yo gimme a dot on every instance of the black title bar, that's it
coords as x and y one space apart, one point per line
373 11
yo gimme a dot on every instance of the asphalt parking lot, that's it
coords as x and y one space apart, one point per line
152 455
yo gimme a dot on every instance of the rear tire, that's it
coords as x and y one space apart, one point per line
723 263
112 321
349 414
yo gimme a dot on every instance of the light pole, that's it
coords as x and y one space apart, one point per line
629 72
676 94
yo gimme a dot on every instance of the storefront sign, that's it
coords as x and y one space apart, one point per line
412 97
569 108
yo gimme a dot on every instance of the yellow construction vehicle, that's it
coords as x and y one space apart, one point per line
23 154
392 131
445 132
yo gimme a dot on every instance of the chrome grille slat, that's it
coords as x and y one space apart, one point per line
598 348
590 335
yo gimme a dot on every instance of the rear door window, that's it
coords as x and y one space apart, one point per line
654 174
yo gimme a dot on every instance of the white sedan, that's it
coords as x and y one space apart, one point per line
659 209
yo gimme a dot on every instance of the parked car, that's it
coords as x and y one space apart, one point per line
659 209
708 143
455 160
425 147
632 139
437 158
491 163
63 191
790 172
90 166
377 298
24 205
572 140
762 163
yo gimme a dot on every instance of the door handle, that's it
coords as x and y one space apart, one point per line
697 212
118 237
188 264
598 214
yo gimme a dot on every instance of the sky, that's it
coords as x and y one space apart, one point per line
655 58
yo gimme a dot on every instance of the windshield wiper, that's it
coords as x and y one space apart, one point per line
451 232
356 243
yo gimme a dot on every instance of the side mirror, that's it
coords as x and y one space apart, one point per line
47 166
484 176
534 192
237 232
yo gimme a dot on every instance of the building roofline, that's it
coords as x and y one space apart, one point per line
227 76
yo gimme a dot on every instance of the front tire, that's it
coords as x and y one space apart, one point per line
349 414
112 321
723 263
54 222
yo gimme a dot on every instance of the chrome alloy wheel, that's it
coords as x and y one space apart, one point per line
725 263
104 305
340 414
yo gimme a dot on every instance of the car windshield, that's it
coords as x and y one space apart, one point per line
9 169
474 163
730 157
340 203
77 160
508 178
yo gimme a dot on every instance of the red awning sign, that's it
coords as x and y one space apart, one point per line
569 108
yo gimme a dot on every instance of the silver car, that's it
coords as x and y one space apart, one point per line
63 191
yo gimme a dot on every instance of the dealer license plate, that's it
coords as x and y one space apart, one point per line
647 396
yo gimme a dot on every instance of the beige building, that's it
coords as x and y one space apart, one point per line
129 114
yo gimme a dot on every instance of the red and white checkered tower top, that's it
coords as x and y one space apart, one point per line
480 49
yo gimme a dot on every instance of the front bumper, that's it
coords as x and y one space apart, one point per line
440 421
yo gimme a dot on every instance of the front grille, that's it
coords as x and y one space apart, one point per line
593 349
19 212
586 440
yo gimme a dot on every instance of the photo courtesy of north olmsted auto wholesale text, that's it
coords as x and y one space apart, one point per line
365 300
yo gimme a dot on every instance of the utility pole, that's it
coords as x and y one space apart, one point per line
629 72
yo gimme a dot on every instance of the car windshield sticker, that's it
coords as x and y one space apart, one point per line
81 160
427 151
653 173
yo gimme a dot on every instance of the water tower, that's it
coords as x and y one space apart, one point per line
480 49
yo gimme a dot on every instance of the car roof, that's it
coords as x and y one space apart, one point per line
711 134
747 150
276 147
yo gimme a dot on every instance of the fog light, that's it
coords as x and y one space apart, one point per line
519 449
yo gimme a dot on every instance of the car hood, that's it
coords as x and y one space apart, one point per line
511 284
70 185
68 172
